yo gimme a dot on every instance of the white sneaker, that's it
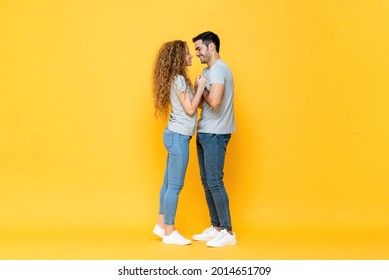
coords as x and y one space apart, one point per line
207 234
223 239
158 230
175 238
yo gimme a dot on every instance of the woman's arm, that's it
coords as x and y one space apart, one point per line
190 105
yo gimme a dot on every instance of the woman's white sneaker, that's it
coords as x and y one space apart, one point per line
207 234
158 231
223 238
175 238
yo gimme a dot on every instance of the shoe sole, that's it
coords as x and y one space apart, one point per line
158 235
203 239
224 245
172 243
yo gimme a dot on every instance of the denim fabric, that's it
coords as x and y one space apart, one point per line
211 152
177 146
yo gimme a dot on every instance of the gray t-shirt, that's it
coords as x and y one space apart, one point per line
220 120
179 120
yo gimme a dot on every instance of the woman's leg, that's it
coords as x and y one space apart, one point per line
178 150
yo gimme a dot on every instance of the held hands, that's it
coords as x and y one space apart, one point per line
190 104
201 82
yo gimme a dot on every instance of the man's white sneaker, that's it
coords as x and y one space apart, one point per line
222 239
175 238
207 234
158 231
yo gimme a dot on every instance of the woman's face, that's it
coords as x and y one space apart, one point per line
188 57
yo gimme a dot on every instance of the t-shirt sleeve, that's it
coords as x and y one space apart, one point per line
216 75
180 84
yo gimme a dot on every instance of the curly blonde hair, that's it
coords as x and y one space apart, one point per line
170 61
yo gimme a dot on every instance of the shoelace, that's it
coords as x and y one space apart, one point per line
221 235
178 235
208 230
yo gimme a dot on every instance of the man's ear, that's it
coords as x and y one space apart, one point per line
211 46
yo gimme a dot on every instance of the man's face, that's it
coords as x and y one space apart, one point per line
202 51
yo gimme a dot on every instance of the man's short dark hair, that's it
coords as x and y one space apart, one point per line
207 38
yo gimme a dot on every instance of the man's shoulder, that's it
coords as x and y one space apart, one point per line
220 65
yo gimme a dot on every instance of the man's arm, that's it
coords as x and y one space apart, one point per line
215 95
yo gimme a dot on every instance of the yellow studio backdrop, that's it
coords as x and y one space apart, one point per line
82 156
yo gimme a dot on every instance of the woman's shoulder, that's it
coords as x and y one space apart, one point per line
178 85
179 78
180 82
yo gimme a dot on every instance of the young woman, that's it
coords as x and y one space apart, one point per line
174 94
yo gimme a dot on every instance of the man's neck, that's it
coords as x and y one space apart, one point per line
213 60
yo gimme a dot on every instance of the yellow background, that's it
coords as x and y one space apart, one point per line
82 157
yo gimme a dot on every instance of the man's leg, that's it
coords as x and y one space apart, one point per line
200 141
214 151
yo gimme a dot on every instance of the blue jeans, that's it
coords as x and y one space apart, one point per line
211 152
177 146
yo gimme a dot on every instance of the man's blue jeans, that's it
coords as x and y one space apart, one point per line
177 146
211 152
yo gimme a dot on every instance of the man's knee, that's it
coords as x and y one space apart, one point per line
215 184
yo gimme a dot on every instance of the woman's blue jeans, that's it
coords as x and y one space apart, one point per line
177 146
211 152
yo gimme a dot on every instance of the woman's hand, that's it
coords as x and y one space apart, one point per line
201 82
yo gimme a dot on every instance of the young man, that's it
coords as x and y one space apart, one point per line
215 126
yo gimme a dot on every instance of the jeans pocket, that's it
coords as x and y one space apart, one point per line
223 140
168 139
